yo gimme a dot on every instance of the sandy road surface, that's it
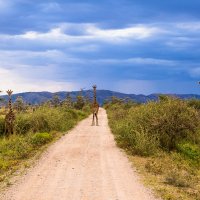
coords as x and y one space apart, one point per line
83 165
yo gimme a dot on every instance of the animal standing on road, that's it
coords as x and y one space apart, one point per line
95 107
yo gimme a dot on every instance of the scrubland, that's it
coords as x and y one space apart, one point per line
162 140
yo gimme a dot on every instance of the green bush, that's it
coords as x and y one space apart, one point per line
2 125
171 121
189 150
195 103
14 148
147 127
4 165
47 119
144 143
79 104
40 139
23 123
86 109
137 142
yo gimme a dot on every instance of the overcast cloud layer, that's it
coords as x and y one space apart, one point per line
132 46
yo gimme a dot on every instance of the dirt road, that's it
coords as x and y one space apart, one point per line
83 165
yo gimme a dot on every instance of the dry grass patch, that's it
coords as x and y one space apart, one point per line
166 179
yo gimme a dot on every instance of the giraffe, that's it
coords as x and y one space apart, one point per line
95 107
10 116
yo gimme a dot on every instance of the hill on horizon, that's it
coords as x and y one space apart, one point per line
102 95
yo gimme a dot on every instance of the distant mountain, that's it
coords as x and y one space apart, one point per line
102 95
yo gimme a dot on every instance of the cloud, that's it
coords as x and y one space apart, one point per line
61 35
90 33
152 61
189 26
59 57
166 37
134 32
28 57
51 7
195 72
18 82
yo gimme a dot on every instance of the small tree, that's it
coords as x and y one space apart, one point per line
68 101
116 100
163 97
2 100
19 104
55 101
88 99
79 102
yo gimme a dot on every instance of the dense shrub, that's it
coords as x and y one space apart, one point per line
195 103
40 139
189 150
79 104
2 125
47 119
14 148
171 121
145 128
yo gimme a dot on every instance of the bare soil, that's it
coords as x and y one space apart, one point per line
85 164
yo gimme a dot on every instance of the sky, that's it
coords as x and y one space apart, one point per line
130 46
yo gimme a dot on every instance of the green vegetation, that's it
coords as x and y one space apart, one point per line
34 129
46 119
40 139
163 140
19 104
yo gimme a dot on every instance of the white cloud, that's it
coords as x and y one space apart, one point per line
189 26
195 72
87 33
136 32
137 61
12 58
23 57
72 35
152 61
51 7
13 79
